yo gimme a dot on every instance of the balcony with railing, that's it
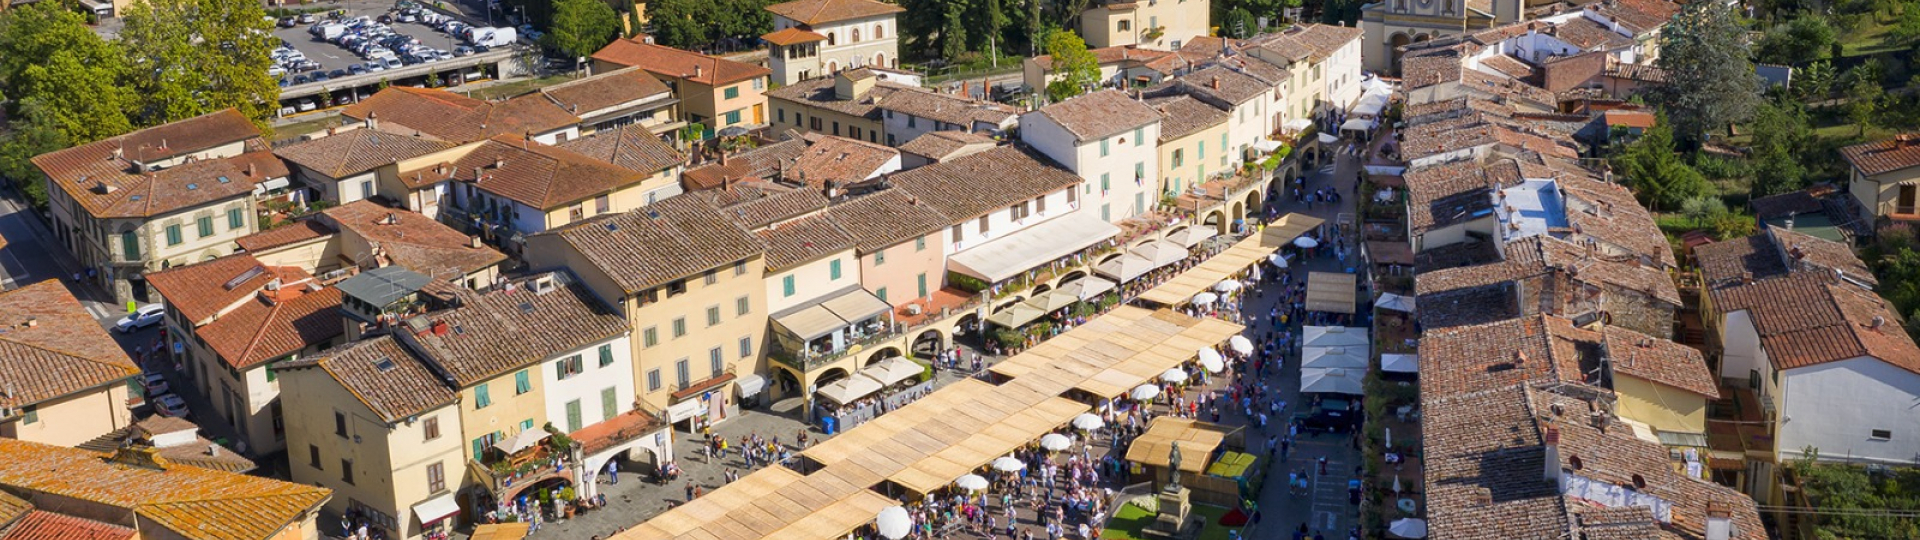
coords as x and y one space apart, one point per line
532 460
788 348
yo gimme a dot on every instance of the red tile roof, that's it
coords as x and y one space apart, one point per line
502 331
405 388
813 12
1879 157
263 329
200 292
1806 319
1659 360
409 239
191 502
1099 115
537 175
44 525
674 63
108 179
792 35
62 352
671 239
355 151
286 235
458 119
605 91
631 146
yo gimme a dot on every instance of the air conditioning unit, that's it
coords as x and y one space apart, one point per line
914 309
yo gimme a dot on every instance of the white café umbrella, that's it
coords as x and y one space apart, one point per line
1396 483
1408 528
1277 260
1240 344
893 522
1212 364
1227 286
1144 392
1089 421
1055 442
1205 299
971 482
1008 464
1209 353
1175 376
1306 242
1395 302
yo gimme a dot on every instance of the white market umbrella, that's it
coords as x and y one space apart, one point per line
1408 528
971 482
1055 442
1306 242
1175 376
1400 363
893 522
1205 299
1144 392
1008 464
1395 302
1089 421
1209 353
1227 286
1334 357
1212 364
1329 380
1396 484
1240 344
1277 260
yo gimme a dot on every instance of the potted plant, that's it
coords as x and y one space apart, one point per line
567 498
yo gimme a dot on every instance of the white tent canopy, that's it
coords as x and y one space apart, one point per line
1052 301
1161 252
1266 146
1334 336
851 388
1009 255
1354 358
1144 392
1297 124
1125 268
1192 235
522 441
1205 299
1414 528
1395 302
1086 288
1371 104
1328 138
1175 376
893 370
1015 315
1330 380
1357 124
1400 363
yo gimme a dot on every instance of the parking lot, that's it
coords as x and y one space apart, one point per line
348 42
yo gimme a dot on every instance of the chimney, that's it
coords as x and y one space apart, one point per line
213 449
373 120
473 242
1719 521
1878 321
499 162
392 218
476 172
1551 446
1215 83
1482 497
698 70
1746 278
32 321
142 456
250 170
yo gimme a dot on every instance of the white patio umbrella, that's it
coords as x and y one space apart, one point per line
971 482
1144 392
1212 364
1205 299
1408 528
1089 421
1055 442
1175 376
1277 260
1240 344
1395 302
1209 353
1228 286
1396 484
893 522
1008 464
1306 242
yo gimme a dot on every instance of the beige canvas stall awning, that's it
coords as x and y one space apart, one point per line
1242 255
1087 288
856 305
1197 442
893 370
853 387
1016 315
809 322
1161 252
1192 235
1127 267
1019 251
1354 358
1053 301
1333 336
1332 292
1282 232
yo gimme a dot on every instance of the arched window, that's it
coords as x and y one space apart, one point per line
879 32
856 36
830 39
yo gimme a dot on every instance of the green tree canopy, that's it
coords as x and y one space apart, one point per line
581 27
1710 79
1078 70
1655 172
1781 133
50 57
192 57
34 132
1804 39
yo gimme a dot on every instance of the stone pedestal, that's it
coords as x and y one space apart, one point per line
1173 521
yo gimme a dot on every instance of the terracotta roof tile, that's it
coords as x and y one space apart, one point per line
1880 157
813 12
948 108
356 151
1099 115
1468 359
1806 318
1450 193
886 219
941 145
195 503
607 90
1786 205
412 240
43 525
383 375
285 235
1644 73
1607 212
1223 86
674 63
63 351
841 160
455 118
1509 66
755 204
974 185
671 239
200 292
1805 249
11 507
538 175
503 331
791 36
1589 34
1640 16
193 452
803 240
766 162
1544 256
263 329
113 161
631 146
1659 360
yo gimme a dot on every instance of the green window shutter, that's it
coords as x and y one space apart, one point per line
920 244
1139 136
606 355
786 286
526 424
733 92
479 448
1106 182
882 293
206 226
522 382
480 398
609 404
573 416
173 235
236 219
1103 147
833 269
923 284
879 257
1200 150
130 243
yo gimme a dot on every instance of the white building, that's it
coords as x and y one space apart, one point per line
1108 139
816 38
1012 211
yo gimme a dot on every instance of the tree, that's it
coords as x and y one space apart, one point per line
1803 39
1710 79
1863 103
675 24
1781 134
49 56
1239 23
1815 81
1658 177
192 57
581 27
1077 68
33 133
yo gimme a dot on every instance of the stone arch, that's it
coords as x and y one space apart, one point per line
830 375
965 322
1394 43
1010 303
1253 201
879 58
833 66
1422 38
1069 277
1177 229
1109 257
1217 219
929 343
786 382
1239 211
1041 289
855 36
882 354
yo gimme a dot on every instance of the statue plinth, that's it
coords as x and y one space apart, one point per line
1175 514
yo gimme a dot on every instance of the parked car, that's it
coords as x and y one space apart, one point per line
319 77
301 79
145 316
392 63
155 383
336 74
306 18
307 105
1331 415
170 405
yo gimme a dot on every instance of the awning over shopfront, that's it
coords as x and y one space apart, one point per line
1161 252
856 305
1331 292
1267 146
1016 315
1297 124
1192 235
1008 256
1086 288
1334 336
751 385
527 438
893 370
851 388
1053 301
809 322
1126 267
1357 124
435 509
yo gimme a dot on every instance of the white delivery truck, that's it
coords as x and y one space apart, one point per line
492 37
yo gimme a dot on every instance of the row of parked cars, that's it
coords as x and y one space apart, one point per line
158 391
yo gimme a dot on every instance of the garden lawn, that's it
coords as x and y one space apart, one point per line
1131 519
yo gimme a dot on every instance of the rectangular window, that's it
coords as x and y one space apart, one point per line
573 416
30 414
732 92
920 244
1019 210
1139 136
711 276
1106 212
1178 157
650 336
1073 197
881 293
339 423
781 115
1139 202
733 117
880 257
1106 183
833 269
313 457
1200 150
739 267
205 224
746 347
983 224
480 398
676 287
568 367
786 286
922 279
682 376
714 361
526 424
653 380
680 327
130 245
1040 204
236 219
959 233
1882 434
1103 148
430 428
173 235
346 471
523 382
606 354
742 306
436 477
609 404
713 316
